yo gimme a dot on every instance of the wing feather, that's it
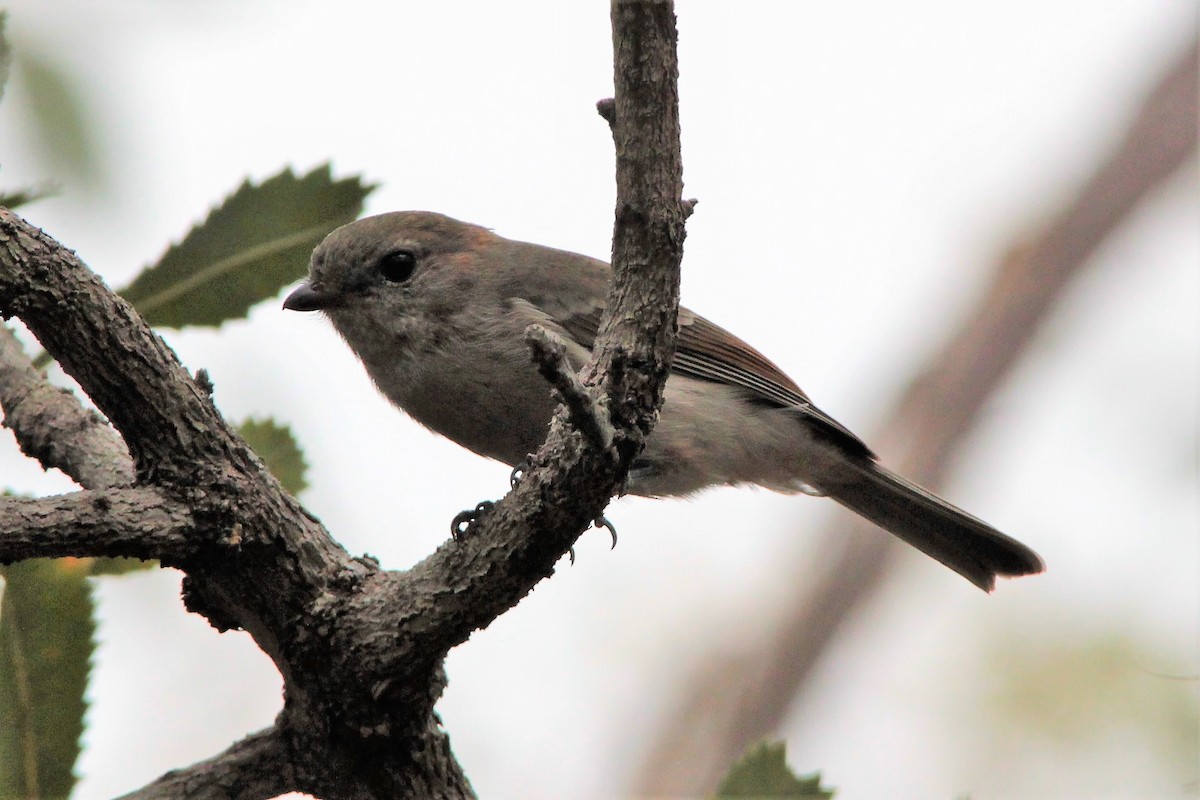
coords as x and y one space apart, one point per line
706 351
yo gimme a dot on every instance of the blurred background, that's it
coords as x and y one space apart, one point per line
862 169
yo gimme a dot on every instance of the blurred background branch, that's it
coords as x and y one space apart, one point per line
921 136
730 702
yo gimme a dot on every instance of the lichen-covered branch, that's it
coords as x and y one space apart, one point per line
636 339
167 423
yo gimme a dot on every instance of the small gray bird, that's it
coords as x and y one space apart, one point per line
437 309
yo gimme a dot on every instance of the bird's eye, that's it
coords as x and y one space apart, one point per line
397 266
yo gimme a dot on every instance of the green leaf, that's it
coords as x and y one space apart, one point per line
5 55
250 247
46 645
277 448
118 566
763 772
61 127
20 197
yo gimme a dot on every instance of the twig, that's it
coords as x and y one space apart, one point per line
607 108
550 356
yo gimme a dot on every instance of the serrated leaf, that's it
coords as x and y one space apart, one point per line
46 646
763 772
277 448
249 247
59 117
20 197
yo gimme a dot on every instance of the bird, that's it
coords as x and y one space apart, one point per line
436 310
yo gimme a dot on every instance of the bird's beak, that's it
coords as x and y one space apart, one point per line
308 297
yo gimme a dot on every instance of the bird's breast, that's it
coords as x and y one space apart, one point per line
482 393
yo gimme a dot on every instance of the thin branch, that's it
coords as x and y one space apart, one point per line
550 356
258 767
133 523
53 427
648 233
711 728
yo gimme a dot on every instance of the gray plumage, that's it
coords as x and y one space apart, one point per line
436 309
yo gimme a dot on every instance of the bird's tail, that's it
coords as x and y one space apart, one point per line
969 546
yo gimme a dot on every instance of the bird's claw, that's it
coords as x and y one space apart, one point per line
598 522
602 522
460 526
518 472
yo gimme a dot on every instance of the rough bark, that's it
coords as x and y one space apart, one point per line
256 768
52 427
130 522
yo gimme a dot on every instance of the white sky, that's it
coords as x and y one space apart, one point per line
859 165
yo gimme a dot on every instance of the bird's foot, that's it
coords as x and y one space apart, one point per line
518 472
461 525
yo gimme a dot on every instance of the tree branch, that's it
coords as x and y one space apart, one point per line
136 523
360 650
713 724
166 421
258 767
179 441
550 356
51 426
636 339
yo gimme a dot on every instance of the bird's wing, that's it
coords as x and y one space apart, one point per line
706 351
